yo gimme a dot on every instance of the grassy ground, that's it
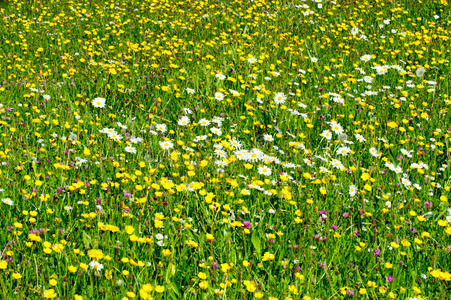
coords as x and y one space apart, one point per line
225 149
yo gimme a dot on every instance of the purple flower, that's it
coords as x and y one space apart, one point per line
247 224
334 227
350 293
390 278
377 252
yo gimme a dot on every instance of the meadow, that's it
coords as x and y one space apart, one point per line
206 149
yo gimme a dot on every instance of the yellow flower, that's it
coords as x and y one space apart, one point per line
268 256
365 176
147 288
49 294
250 287
129 229
405 243
202 275
3 264
78 297
53 282
17 276
72 269
203 284
392 124
95 254
159 289
394 245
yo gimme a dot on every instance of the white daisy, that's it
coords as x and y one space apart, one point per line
8 201
166 145
280 98
96 265
220 76
360 138
216 131
268 138
219 96
420 72
130 149
204 122
352 190
252 60
184 120
343 151
366 57
374 152
326 134
336 127
98 102
264 170
161 127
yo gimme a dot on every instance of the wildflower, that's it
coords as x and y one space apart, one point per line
352 190
204 122
420 72
161 127
8 201
374 152
166 145
219 96
95 254
280 98
220 77
98 102
203 284
252 60
3 264
216 131
96 265
268 256
264 170
327 135
365 57
130 149
50 294
183 121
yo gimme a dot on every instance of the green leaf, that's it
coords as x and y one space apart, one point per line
256 243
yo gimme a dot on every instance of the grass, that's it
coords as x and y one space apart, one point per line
225 149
